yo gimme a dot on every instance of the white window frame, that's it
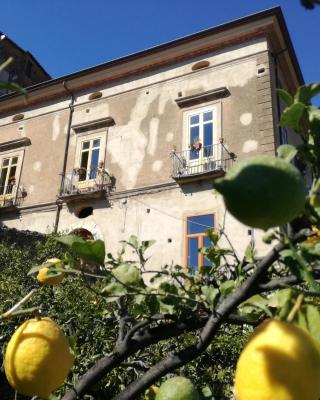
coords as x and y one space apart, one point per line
102 136
11 154
216 110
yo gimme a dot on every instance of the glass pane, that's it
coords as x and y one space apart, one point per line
3 179
14 160
207 139
200 223
194 137
96 143
85 145
207 116
206 243
194 119
193 254
83 166
12 173
5 162
94 163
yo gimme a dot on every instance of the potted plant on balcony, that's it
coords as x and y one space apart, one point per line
196 145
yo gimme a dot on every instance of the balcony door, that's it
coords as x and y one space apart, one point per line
201 139
8 175
89 161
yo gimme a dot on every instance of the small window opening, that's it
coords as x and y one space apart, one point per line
83 233
85 212
200 64
18 117
95 95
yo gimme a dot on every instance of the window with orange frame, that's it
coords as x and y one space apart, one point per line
196 238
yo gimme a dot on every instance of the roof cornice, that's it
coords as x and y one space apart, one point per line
259 24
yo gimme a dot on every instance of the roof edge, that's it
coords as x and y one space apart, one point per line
274 11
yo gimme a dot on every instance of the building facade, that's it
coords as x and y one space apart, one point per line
132 146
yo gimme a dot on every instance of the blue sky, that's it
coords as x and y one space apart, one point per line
70 35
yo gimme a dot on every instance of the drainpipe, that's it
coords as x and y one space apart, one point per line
276 73
65 158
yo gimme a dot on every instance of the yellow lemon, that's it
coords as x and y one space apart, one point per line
50 280
279 362
38 358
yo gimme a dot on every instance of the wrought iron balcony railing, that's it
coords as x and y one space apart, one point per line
84 182
11 196
201 160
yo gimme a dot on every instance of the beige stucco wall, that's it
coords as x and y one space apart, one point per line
160 216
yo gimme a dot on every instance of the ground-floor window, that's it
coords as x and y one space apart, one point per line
196 238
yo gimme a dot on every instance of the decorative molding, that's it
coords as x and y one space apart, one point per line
198 98
15 144
92 125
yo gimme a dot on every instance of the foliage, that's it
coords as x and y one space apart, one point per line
92 324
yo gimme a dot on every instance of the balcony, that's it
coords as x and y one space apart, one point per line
11 197
86 184
201 162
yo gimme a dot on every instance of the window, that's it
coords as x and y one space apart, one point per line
89 159
196 238
201 133
8 175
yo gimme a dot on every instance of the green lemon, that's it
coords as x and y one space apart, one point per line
127 274
263 191
177 388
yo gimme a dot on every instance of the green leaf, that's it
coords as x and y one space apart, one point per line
280 298
210 293
92 250
249 254
292 115
128 274
314 119
305 93
206 393
6 63
114 289
68 240
133 242
287 152
313 321
35 269
227 287
300 320
166 308
147 243
53 397
285 96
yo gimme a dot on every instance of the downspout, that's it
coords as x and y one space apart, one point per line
65 158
